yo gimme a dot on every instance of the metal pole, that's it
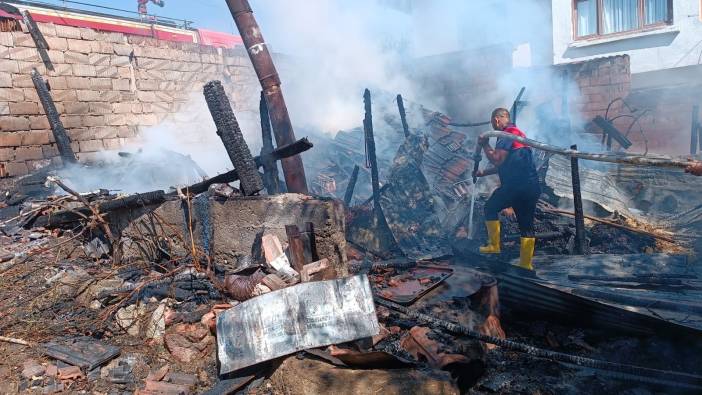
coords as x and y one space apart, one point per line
370 151
293 169
694 130
578 205
63 142
403 115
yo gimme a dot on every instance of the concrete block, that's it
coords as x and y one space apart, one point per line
58 82
84 70
146 96
24 153
72 57
9 66
56 56
112 144
12 123
24 54
237 221
126 132
15 169
91 146
111 37
6 39
24 108
71 122
121 84
63 95
36 137
76 108
124 72
9 139
89 34
147 120
101 47
124 108
122 49
21 39
80 46
47 29
120 61
68 31
4 108
100 108
116 119
7 154
49 151
62 70
22 81
104 132
148 85
38 122
106 71
5 80
93 120
100 83
78 82
88 95
57 43
99 59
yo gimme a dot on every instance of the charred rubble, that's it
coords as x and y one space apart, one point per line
369 281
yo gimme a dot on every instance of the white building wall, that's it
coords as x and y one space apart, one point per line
672 46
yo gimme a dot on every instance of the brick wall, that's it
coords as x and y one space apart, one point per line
107 88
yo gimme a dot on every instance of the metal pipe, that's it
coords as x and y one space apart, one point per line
293 169
63 142
578 205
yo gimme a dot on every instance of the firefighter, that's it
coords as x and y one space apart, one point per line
519 187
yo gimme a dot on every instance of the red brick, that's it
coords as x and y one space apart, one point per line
71 121
24 108
28 153
101 83
37 122
74 58
100 108
93 120
121 84
84 70
36 137
50 151
91 146
24 54
57 43
14 123
16 169
12 94
78 82
112 144
68 31
10 139
7 154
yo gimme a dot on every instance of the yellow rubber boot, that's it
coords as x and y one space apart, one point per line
526 252
493 246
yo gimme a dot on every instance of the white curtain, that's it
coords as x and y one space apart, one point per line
619 15
656 11
587 17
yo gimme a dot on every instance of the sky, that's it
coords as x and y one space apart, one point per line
208 14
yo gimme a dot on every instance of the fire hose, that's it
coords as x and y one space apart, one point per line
629 159
618 370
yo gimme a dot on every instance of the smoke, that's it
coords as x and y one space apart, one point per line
179 151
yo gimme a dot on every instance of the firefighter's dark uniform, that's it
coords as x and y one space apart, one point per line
519 189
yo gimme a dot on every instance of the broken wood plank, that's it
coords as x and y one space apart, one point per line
63 142
296 247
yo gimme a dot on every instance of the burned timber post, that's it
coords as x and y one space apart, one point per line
63 142
403 115
232 138
578 205
371 159
293 170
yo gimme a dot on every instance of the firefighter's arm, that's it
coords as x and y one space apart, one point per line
486 172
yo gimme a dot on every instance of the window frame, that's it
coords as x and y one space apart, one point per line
641 10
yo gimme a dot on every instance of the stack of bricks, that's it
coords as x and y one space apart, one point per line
600 81
107 87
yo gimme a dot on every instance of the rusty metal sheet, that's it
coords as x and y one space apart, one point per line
304 316
406 287
85 352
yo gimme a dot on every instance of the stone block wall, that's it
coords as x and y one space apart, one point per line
107 87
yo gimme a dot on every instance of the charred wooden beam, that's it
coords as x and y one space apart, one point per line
694 131
311 241
262 62
403 115
351 186
39 40
580 246
232 138
63 142
296 247
270 168
285 151
371 159
612 132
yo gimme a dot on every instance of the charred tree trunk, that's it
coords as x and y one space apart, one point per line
232 138
371 160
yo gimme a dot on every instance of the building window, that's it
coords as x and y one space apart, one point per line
602 17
